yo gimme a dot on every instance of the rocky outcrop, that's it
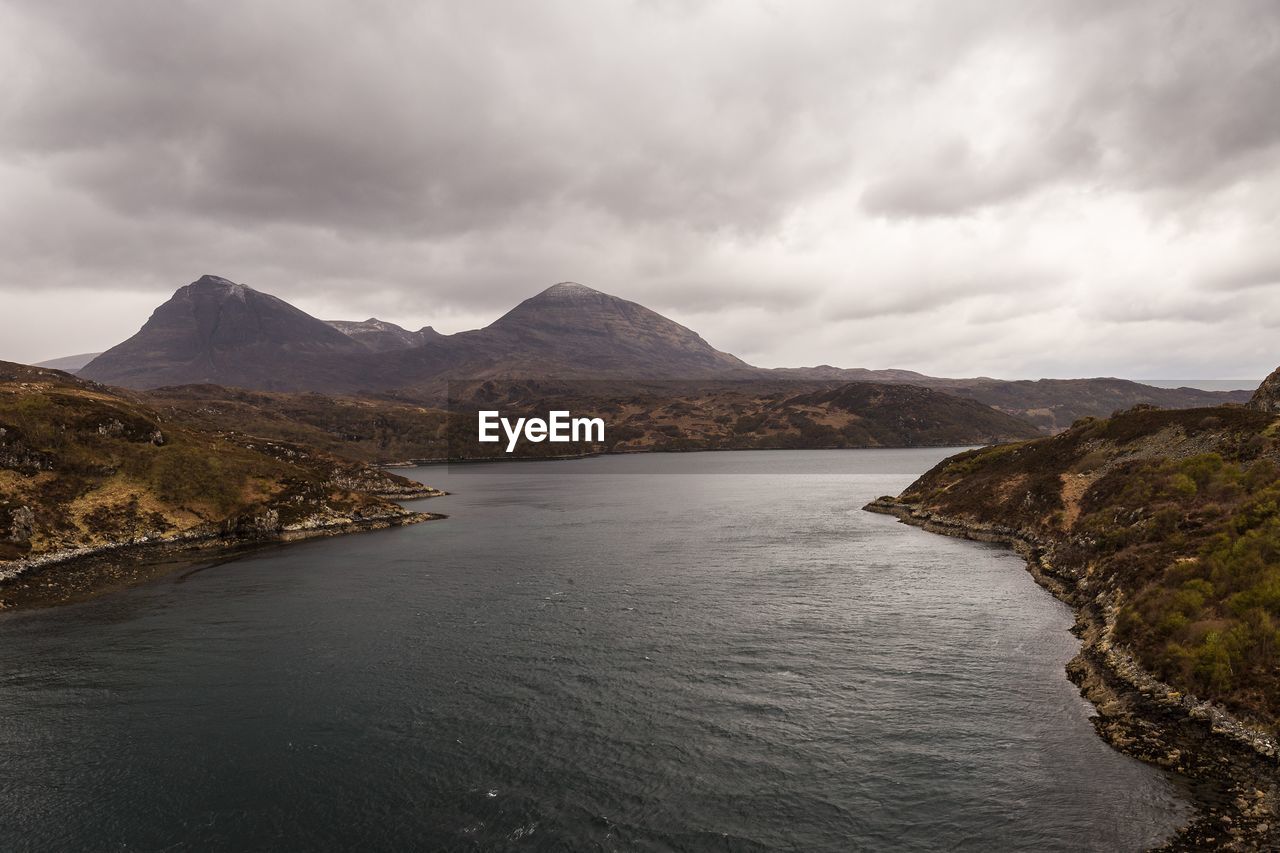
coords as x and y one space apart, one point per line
21 525
16 455
1267 397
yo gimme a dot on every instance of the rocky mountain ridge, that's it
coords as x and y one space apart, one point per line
381 336
219 332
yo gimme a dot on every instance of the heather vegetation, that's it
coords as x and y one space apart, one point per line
369 430
1210 616
83 466
1176 513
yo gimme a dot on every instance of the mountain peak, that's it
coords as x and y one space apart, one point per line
216 281
215 330
570 289
570 324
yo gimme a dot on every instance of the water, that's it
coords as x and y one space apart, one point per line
683 652
1205 384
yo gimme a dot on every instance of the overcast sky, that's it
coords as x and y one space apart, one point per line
1004 188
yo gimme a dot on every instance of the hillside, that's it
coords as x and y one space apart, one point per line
687 416
1174 512
1162 529
360 428
1051 404
1055 404
648 416
84 469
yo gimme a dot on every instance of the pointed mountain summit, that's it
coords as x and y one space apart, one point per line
572 329
215 330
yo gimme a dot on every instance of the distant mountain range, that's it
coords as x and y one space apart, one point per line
69 363
217 331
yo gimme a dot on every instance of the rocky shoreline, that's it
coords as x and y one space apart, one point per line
1229 767
78 574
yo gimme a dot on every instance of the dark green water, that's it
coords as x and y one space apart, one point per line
687 652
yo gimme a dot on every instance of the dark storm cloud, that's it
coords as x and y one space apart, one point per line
468 117
725 162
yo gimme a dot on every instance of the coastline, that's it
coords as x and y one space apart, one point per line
1228 767
86 573
637 451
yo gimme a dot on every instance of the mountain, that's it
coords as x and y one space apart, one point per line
217 331
69 363
1052 404
1055 404
381 336
910 416
361 428
570 329
214 330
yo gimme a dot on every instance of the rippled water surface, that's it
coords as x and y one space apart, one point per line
689 652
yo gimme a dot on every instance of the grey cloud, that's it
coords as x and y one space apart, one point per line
1173 98
1177 308
943 290
245 113
1246 272
957 180
428 161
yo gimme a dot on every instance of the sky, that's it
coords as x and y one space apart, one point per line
1061 188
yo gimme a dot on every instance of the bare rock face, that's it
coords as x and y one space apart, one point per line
381 336
21 525
1267 397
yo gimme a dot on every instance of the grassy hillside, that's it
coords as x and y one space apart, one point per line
651 416
365 429
83 467
1174 513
